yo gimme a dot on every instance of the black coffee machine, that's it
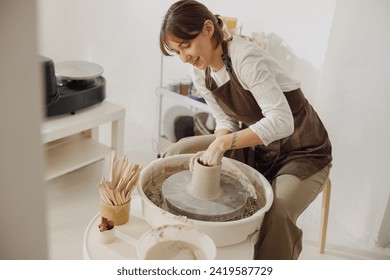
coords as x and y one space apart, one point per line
71 86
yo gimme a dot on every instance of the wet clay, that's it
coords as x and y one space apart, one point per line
206 181
174 250
153 190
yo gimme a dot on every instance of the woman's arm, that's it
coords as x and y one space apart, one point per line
227 140
259 73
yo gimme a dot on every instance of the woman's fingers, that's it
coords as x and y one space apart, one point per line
211 159
195 157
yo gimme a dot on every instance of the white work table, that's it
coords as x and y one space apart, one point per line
71 140
127 235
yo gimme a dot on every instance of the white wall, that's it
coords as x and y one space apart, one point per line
22 203
122 36
353 100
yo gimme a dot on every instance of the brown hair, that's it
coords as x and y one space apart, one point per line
185 20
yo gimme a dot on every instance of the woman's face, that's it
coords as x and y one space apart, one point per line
198 52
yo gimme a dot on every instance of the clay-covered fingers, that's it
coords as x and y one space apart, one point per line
211 159
195 157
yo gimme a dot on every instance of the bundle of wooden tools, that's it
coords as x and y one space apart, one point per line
123 179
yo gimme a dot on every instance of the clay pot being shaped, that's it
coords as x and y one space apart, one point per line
206 180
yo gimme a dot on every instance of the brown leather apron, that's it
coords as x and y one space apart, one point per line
302 154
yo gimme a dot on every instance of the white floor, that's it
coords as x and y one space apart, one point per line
72 201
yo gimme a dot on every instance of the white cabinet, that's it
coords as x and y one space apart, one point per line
71 141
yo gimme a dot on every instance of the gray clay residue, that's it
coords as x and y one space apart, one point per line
154 192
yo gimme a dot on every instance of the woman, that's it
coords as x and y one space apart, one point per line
244 85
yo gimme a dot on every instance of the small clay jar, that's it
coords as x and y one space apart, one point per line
107 236
206 180
106 231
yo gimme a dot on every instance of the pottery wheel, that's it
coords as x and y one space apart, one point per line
227 206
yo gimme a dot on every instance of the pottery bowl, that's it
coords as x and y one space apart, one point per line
176 242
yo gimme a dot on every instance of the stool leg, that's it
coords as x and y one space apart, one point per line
324 214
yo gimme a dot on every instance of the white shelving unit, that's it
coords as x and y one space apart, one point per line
165 96
184 100
71 141
171 68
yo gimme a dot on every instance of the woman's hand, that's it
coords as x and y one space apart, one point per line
211 158
214 153
224 141
205 158
194 158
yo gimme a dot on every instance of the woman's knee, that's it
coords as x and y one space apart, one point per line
278 213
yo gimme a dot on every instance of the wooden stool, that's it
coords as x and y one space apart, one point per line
324 214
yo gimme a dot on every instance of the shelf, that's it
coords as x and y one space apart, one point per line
71 141
185 100
164 138
64 125
70 154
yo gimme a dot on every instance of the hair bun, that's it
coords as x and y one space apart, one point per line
220 21
223 26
